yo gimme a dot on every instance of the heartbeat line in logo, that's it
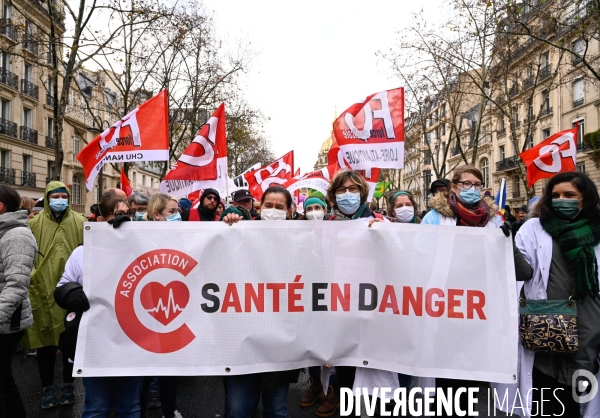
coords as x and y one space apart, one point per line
171 306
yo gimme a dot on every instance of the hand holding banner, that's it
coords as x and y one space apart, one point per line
557 154
142 135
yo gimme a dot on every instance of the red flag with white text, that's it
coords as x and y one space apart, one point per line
276 173
556 154
370 133
317 180
204 163
142 135
125 186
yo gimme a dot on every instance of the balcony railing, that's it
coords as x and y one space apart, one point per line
8 30
582 146
49 100
7 175
49 142
78 207
507 163
30 44
79 113
546 110
530 118
514 90
576 61
29 89
29 135
9 79
28 179
528 83
8 128
501 132
578 102
545 72
455 151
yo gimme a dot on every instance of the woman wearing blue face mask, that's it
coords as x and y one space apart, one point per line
464 205
558 254
348 193
163 207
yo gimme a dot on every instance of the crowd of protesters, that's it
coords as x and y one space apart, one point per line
557 245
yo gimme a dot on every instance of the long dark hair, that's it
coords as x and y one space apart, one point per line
10 197
591 209
278 190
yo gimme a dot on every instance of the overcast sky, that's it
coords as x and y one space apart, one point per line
312 57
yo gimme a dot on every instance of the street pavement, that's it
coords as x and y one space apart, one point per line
198 397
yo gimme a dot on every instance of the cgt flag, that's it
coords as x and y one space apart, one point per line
204 163
370 133
142 135
557 154
125 186
276 173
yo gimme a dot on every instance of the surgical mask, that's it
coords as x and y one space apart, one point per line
139 216
470 196
566 209
59 205
174 217
315 215
405 214
273 214
348 202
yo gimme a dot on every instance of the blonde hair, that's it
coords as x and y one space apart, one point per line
157 203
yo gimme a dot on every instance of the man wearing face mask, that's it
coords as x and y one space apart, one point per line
207 210
58 230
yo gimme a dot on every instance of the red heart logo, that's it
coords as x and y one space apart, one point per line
165 303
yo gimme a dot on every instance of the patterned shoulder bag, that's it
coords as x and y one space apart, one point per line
549 326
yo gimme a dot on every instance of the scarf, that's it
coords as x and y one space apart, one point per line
339 216
577 240
478 215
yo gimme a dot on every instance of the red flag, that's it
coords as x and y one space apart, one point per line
556 154
125 186
317 180
142 135
278 172
204 163
371 133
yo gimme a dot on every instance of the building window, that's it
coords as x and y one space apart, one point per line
516 186
143 181
515 112
578 48
49 171
76 191
443 127
5 109
529 142
485 170
50 127
580 132
4 158
501 123
502 153
27 163
28 72
544 60
546 109
134 178
27 117
578 93
76 143
581 167
427 158
545 133
426 178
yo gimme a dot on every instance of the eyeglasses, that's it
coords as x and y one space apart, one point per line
245 201
467 185
211 197
351 189
122 212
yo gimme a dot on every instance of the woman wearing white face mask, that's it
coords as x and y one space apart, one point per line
163 207
314 209
403 208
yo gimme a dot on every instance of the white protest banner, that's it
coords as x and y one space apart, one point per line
205 298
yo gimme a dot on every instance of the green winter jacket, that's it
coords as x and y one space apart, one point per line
55 243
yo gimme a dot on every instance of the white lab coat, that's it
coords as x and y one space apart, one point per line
536 246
